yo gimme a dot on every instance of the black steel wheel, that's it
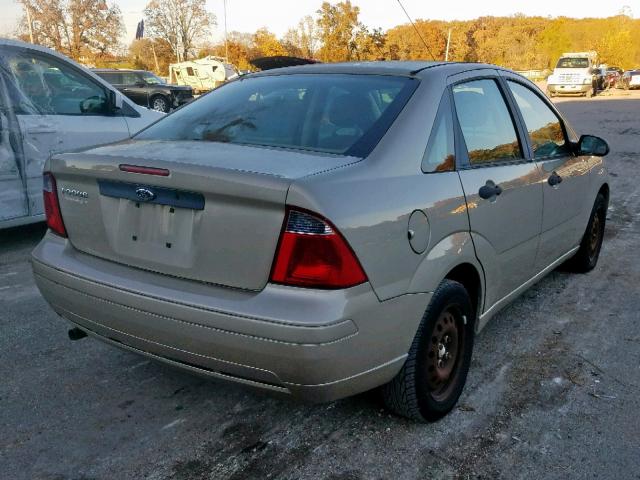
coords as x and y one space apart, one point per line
586 258
433 376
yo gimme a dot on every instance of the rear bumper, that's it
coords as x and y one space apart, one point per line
316 345
569 89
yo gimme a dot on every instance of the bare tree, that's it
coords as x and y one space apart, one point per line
75 27
303 39
181 23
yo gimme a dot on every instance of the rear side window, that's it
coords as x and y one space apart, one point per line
440 154
543 126
333 113
487 126
113 78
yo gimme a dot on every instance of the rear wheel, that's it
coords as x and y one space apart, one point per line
586 258
433 376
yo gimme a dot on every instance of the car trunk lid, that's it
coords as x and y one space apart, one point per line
216 217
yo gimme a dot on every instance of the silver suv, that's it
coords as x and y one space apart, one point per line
323 230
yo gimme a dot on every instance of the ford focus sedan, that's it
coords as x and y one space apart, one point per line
322 230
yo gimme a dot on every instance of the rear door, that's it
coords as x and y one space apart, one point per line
502 187
565 175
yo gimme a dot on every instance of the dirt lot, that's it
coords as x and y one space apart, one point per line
554 389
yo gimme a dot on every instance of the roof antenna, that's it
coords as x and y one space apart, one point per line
417 31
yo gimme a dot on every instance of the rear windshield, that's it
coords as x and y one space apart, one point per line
573 62
333 113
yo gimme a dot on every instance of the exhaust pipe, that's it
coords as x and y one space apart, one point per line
76 334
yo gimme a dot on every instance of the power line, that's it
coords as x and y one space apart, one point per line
416 29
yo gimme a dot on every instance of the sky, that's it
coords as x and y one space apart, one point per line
279 15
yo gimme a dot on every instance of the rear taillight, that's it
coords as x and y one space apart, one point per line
313 254
51 205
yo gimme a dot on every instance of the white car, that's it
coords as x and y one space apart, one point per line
49 103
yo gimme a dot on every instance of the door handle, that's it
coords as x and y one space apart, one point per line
554 179
489 190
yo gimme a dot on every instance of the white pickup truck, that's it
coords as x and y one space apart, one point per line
575 74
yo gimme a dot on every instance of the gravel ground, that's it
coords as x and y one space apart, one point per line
553 390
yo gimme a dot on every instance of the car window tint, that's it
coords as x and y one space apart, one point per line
55 88
543 125
327 113
111 77
440 155
486 124
129 78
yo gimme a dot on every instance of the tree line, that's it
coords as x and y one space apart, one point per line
89 30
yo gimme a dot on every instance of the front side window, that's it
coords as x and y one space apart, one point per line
55 88
333 113
151 79
130 78
543 126
487 126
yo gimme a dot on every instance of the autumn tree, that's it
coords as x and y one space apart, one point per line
266 44
77 28
180 23
143 54
337 28
239 47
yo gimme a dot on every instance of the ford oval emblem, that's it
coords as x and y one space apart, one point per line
145 194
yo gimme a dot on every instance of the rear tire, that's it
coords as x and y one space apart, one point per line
433 376
586 258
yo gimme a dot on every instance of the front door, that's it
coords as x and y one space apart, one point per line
134 87
565 175
13 188
502 188
59 107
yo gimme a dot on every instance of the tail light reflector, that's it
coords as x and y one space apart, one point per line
52 205
312 253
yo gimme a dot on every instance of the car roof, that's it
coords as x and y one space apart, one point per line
392 67
117 70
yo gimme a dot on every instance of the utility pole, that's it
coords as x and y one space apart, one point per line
446 54
28 9
155 57
226 46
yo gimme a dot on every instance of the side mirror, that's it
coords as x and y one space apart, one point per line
115 101
141 83
592 145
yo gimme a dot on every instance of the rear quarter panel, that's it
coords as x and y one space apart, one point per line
371 202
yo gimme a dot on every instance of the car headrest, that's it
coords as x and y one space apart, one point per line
351 110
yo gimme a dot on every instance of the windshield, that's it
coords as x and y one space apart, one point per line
151 79
573 62
333 113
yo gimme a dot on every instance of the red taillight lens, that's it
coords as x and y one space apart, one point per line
313 254
51 205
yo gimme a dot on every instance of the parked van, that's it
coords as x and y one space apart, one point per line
49 103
